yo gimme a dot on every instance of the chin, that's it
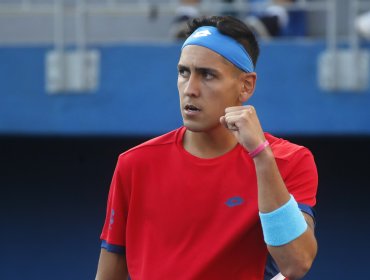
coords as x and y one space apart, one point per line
193 127
199 127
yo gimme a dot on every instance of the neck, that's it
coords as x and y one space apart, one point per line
209 144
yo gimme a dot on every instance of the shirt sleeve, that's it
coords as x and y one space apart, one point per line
301 178
114 230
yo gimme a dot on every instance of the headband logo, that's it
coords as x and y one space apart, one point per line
202 33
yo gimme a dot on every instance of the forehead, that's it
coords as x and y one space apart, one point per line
193 55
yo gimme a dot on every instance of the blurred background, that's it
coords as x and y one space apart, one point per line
82 81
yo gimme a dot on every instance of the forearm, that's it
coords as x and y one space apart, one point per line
294 258
272 192
111 266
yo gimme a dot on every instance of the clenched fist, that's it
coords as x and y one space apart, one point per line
245 125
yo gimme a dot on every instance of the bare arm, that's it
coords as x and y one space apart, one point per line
111 266
295 258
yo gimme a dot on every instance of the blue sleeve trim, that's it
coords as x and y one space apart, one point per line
307 209
113 248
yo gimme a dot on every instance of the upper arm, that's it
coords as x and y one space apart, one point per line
310 221
300 176
111 266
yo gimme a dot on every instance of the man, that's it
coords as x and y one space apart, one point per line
187 9
269 18
216 198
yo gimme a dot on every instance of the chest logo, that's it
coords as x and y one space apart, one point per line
234 201
111 220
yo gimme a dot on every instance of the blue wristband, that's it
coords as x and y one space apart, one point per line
284 224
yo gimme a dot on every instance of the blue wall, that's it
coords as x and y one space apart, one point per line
138 94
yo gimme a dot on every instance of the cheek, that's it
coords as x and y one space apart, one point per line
233 93
225 93
216 103
180 85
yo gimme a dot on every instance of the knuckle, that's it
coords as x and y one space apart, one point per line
245 114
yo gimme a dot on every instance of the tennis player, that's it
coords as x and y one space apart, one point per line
217 198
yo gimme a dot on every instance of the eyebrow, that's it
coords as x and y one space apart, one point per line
198 69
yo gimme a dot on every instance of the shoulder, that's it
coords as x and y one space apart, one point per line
292 158
297 168
286 150
155 145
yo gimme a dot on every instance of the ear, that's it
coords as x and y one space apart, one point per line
248 84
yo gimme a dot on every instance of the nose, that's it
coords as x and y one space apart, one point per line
192 86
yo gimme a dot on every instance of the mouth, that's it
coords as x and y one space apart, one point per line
191 108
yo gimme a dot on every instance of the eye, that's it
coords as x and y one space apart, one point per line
183 72
208 75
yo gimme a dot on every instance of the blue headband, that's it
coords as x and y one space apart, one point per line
211 38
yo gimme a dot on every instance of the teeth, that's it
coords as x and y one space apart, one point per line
191 107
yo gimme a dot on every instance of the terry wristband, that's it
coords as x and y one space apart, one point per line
284 224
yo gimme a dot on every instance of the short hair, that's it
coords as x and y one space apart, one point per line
231 27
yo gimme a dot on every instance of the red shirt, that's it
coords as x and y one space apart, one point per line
182 217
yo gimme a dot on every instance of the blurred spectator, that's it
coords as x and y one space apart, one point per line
362 25
230 10
270 18
187 9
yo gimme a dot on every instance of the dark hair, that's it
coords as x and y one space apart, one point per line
232 27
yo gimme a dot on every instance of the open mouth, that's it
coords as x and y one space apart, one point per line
191 108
